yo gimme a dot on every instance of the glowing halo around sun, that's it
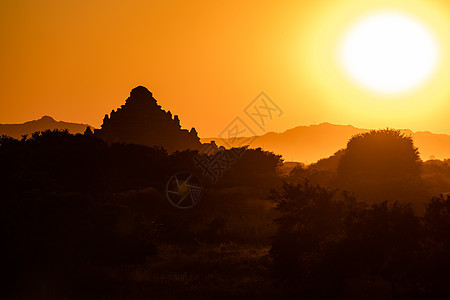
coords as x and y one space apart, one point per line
367 94
389 52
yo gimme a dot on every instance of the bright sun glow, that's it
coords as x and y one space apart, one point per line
389 53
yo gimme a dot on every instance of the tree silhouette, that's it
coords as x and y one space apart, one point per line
380 154
383 165
326 239
310 225
383 241
436 258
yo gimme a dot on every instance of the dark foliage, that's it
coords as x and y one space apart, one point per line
327 241
76 211
74 206
380 154
254 168
377 166
311 225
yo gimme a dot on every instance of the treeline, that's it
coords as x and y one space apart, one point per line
377 166
73 206
75 209
386 236
59 161
330 245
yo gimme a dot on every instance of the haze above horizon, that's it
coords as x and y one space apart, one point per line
205 61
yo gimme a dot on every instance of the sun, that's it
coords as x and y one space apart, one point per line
388 53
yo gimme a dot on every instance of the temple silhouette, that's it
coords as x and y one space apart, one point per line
142 121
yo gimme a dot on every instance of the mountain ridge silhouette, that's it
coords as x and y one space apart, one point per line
44 123
142 121
313 142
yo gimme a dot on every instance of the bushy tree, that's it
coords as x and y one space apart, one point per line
311 223
325 238
380 154
436 254
254 167
383 241
383 165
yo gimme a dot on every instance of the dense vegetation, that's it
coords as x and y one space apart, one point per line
329 244
82 218
74 210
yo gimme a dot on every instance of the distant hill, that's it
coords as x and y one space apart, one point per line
310 143
44 123
142 121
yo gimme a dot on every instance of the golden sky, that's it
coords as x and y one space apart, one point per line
205 60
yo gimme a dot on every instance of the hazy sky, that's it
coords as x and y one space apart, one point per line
203 60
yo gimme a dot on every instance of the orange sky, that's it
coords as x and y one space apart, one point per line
203 60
